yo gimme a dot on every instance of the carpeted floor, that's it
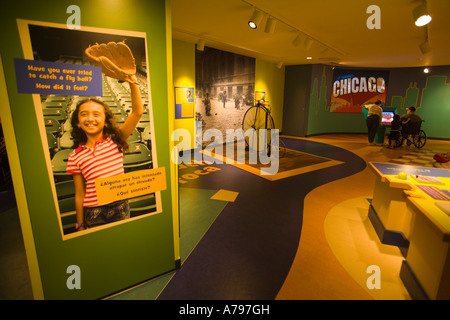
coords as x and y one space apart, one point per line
302 236
316 271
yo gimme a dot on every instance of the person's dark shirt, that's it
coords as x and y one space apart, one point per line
413 117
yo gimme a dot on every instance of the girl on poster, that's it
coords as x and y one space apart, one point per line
99 145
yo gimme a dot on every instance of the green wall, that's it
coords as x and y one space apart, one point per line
429 93
308 91
116 257
434 107
320 119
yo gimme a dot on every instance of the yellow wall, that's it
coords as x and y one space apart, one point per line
268 78
184 76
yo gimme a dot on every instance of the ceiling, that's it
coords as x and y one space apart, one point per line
338 29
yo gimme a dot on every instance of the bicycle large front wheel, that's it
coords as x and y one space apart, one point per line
257 119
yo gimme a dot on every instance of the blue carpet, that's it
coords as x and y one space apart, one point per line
249 249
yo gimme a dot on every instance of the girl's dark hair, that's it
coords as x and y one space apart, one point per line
110 130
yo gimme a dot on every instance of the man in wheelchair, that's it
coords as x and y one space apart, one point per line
411 129
411 122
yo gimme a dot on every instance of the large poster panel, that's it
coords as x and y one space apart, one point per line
354 88
65 262
225 84
58 54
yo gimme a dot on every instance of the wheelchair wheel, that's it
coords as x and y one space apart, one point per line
420 139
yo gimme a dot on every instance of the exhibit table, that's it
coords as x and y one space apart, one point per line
410 209
426 270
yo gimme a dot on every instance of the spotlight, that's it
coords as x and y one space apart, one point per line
308 43
421 15
425 47
296 40
201 45
270 25
255 19
426 70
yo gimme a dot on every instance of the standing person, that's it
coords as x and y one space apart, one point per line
99 145
236 101
373 120
207 103
224 98
394 135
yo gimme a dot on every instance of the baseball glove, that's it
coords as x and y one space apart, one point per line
115 58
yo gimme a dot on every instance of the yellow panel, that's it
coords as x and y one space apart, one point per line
187 110
129 185
225 195
355 244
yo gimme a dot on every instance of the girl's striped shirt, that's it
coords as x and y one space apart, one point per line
101 161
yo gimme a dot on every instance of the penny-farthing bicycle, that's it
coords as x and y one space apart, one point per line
258 118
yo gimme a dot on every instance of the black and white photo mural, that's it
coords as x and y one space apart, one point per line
225 84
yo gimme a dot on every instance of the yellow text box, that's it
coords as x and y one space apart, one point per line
187 110
130 185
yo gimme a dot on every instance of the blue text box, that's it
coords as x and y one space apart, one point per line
44 77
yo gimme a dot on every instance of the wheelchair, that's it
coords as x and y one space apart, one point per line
413 135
